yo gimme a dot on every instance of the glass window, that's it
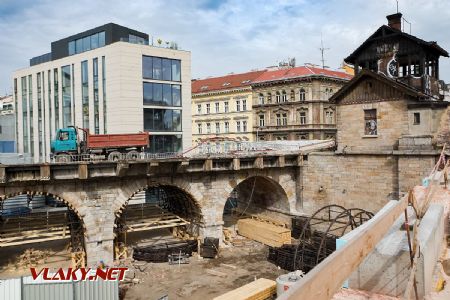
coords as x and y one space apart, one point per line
199 128
148 119
157 93
167 94
416 118
162 119
370 118
165 143
101 39
94 41
303 117
166 69
217 127
147 67
244 105
148 93
217 105
244 126
261 120
238 105
208 127
176 70
238 126
302 94
66 96
72 48
85 93
208 108
79 46
87 43
284 119
176 120
176 95
261 99
168 121
227 127
199 108
157 68
226 107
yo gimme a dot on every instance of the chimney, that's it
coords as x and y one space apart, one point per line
395 21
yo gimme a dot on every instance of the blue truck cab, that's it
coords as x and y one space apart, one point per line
65 141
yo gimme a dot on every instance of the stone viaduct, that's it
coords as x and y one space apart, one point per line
98 192
283 185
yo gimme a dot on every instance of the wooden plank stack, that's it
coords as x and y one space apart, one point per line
263 232
260 289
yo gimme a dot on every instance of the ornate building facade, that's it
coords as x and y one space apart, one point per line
222 107
292 103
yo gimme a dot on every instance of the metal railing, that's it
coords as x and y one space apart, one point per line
206 148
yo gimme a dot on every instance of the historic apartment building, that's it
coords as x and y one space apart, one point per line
222 107
107 79
396 100
292 103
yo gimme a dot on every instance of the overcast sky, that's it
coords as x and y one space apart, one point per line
223 36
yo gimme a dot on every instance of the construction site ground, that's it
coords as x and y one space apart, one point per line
202 278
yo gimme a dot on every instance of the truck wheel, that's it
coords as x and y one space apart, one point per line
114 156
133 155
63 158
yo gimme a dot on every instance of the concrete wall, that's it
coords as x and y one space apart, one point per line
386 269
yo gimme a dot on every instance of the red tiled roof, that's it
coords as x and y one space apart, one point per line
302 71
225 82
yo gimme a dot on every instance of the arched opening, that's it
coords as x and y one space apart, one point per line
39 229
257 196
157 215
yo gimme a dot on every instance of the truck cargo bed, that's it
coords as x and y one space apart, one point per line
121 140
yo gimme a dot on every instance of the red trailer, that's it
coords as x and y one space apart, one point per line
119 141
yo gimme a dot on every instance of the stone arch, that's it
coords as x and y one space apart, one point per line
260 195
71 202
78 243
141 185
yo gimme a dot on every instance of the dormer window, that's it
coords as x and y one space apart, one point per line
226 84
203 88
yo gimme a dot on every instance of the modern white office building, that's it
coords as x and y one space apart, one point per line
110 80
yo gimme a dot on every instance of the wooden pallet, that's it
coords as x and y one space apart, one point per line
263 232
260 289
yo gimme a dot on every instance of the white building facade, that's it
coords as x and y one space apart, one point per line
109 84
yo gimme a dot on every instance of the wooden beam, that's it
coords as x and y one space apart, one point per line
322 282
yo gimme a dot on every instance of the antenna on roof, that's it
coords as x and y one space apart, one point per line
322 50
397 5
404 20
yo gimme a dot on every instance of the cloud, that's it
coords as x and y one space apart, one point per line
223 36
